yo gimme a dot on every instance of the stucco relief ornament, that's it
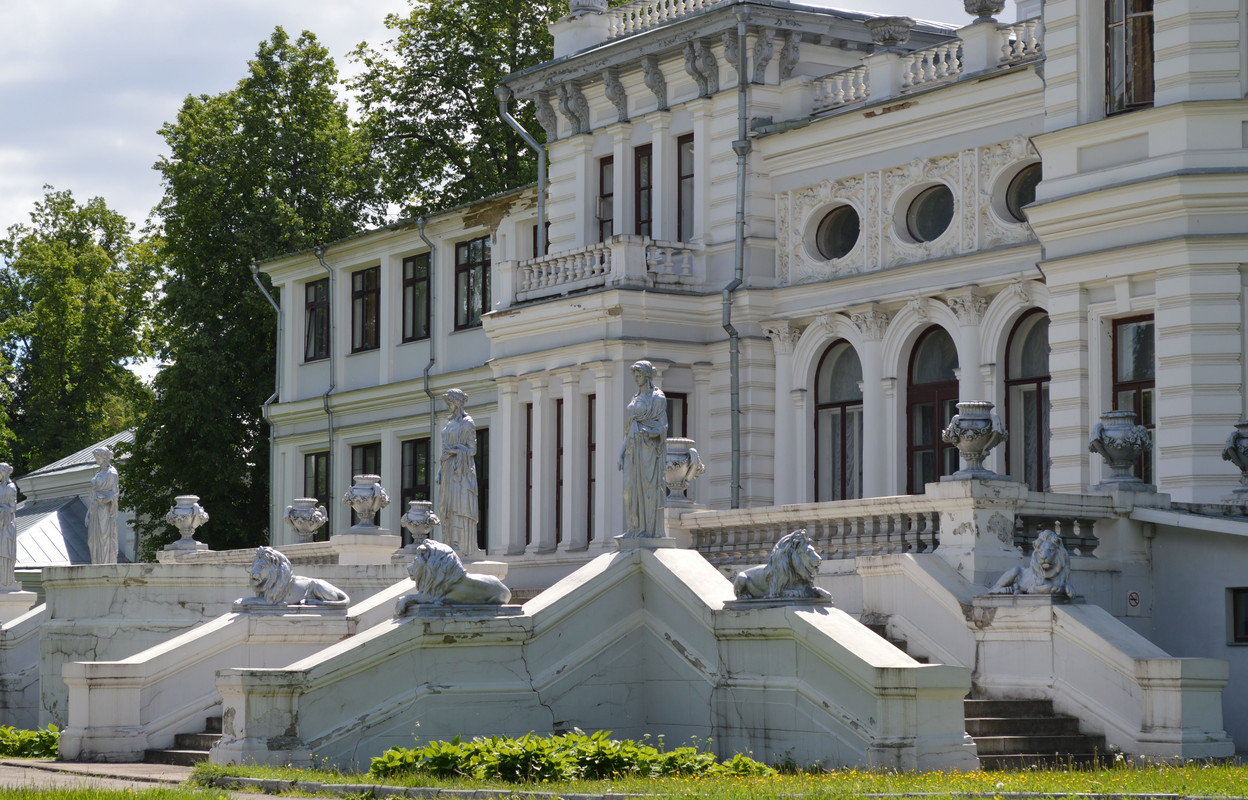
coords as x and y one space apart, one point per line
789 573
1048 572
790 54
614 90
546 115
968 308
1118 440
871 324
764 49
1236 452
277 587
652 76
974 430
305 516
442 579
366 498
187 515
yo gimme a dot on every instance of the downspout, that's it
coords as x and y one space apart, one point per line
277 382
319 252
742 148
504 97
433 305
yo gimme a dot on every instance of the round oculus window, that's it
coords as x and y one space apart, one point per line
838 232
930 213
1022 191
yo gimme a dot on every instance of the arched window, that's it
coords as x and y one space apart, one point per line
931 402
838 424
1027 400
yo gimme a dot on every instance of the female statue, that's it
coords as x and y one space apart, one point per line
102 515
457 476
8 528
642 456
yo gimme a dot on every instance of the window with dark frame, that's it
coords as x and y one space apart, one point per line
366 309
316 484
1238 600
533 243
677 414
606 198
365 460
591 475
838 424
316 320
414 482
472 282
931 402
684 188
558 470
1128 55
1027 400
643 167
416 297
1135 379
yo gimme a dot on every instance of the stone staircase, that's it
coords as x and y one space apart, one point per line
1017 734
188 748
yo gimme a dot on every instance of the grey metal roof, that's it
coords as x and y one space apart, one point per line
52 532
85 456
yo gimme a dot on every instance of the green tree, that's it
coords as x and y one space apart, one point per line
428 98
76 296
270 167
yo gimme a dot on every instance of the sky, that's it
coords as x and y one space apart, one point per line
86 84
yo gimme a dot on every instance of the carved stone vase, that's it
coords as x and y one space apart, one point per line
1236 452
1118 440
974 430
890 31
186 515
366 498
306 516
683 466
419 520
983 9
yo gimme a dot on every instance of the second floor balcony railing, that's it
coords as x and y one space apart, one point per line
641 15
622 260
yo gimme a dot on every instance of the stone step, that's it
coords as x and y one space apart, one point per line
212 725
195 741
1050 745
975 709
181 758
1019 761
1033 726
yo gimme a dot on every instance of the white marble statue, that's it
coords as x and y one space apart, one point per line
275 583
102 515
788 574
643 456
1047 573
442 579
457 476
8 528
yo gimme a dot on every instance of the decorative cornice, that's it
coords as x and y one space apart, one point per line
615 92
701 65
652 75
783 335
731 49
764 49
870 323
790 54
574 106
546 115
968 307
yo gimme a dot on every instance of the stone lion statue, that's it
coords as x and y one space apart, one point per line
789 572
275 583
1048 572
442 579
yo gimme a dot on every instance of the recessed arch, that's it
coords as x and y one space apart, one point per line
931 402
838 423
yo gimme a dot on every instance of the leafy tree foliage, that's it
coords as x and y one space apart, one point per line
271 167
76 296
428 98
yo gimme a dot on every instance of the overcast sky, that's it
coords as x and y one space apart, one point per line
86 84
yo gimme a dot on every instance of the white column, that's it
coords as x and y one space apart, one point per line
507 471
803 453
700 427
543 466
1072 410
787 486
622 152
969 308
575 462
662 186
702 119
871 323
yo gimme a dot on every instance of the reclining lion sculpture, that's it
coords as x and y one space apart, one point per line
1048 572
442 579
275 583
788 574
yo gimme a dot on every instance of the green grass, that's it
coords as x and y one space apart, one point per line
1205 780
26 793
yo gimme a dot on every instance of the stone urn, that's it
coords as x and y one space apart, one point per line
683 466
366 498
1236 452
890 31
983 10
306 516
419 520
974 430
1120 442
186 515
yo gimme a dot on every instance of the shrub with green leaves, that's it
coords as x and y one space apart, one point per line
16 743
571 756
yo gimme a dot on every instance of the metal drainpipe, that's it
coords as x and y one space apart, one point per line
504 96
277 381
433 305
742 148
319 252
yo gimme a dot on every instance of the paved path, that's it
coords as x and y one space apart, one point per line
21 774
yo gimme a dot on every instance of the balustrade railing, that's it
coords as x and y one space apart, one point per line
578 269
640 15
668 262
1021 41
842 88
932 65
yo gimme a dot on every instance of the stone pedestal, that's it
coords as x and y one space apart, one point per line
977 526
15 603
365 545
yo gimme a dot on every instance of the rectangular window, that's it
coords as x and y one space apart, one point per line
684 188
558 470
591 476
316 484
365 309
482 460
1128 55
472 282
414 477
316 320
416 297
365 460
533 243
642 188
677 415
528 473
1135 382
1238 599
606 198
